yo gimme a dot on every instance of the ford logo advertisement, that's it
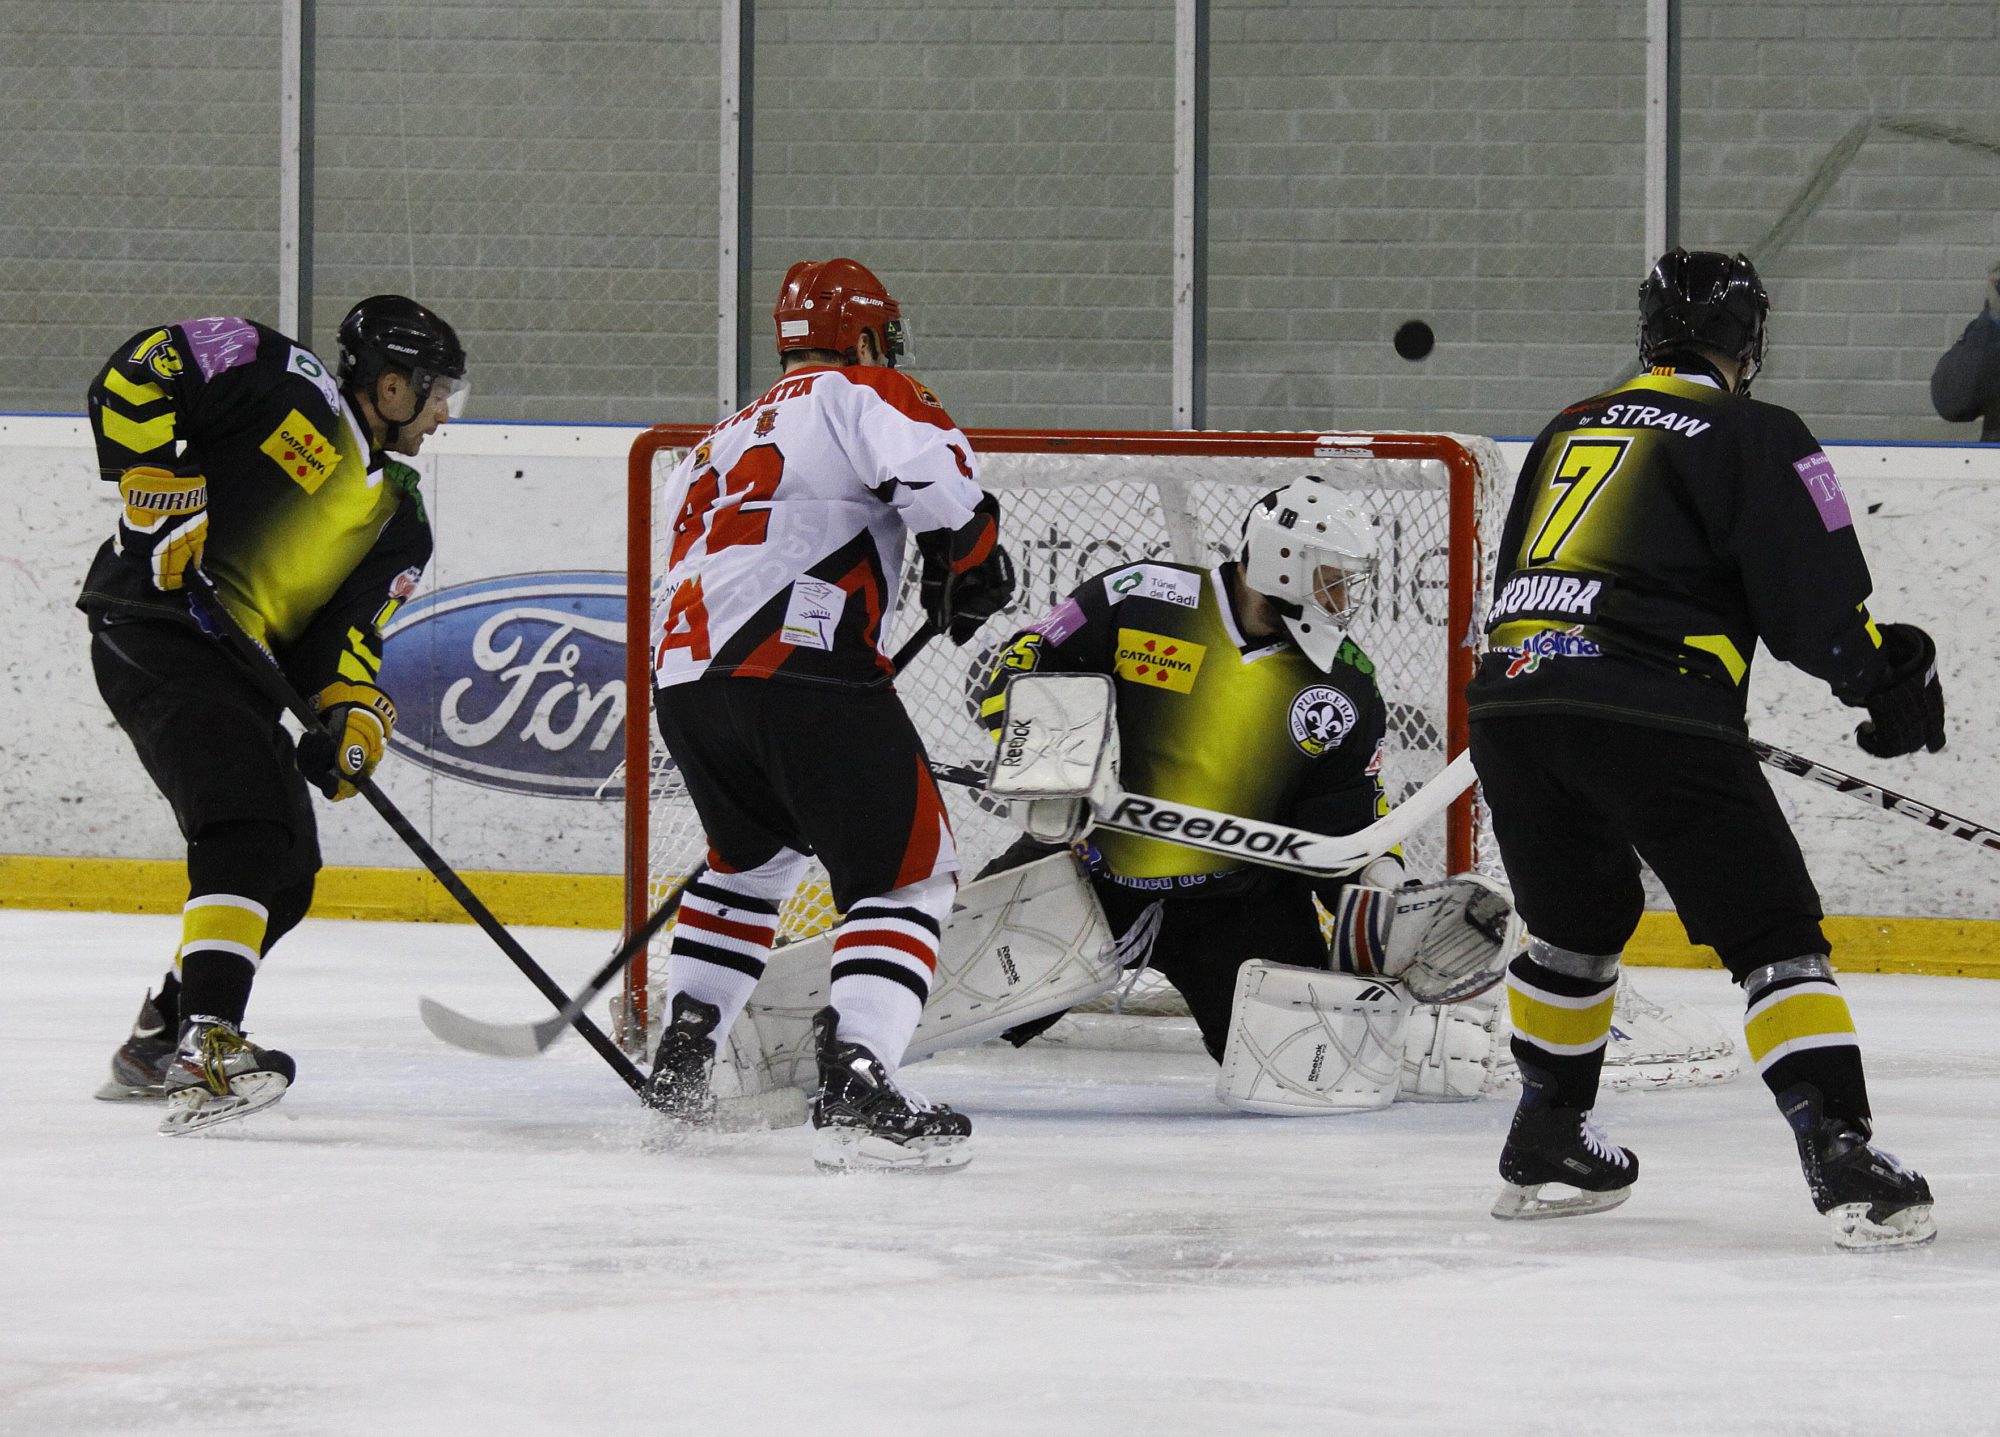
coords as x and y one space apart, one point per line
515 683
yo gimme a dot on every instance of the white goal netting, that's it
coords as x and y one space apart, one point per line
1075 505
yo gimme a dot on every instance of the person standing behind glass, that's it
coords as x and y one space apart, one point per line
1966 383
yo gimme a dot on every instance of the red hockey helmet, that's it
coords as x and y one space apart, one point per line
826 303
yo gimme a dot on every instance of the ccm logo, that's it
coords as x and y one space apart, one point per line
1149 817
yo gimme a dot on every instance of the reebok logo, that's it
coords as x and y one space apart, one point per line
1138 814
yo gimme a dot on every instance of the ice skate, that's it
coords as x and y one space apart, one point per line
862 1122
217 1075
1551 1147
678 1087
1871 1199
139 1067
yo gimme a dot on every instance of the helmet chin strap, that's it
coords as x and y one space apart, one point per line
394 428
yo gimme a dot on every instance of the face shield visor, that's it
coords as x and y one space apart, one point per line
453 390
1337 584
896 345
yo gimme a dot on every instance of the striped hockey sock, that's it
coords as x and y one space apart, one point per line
883 959
724 932
1560 1003
222 944
1799 1031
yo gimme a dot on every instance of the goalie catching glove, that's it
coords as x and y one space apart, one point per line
967 577
1446 941
356 721
166 519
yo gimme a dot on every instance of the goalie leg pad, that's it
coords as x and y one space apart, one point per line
1451 1050
1306 1041
1018 946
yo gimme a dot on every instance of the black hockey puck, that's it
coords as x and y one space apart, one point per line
1414 340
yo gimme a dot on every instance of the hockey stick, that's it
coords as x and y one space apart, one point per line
1880 797
528 1040
1273 845
216 620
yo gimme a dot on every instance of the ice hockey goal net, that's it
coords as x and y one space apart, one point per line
1076 503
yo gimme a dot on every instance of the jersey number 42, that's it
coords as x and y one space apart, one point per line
718 510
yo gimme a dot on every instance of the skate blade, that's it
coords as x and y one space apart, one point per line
851 1150
1525 1203
192 1109
1855 1231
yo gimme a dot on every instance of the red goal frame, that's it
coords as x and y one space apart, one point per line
1463 569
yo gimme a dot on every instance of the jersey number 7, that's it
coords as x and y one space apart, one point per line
751 480
1580 473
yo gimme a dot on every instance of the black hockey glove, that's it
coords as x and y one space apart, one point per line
959 603
1906 710
970 599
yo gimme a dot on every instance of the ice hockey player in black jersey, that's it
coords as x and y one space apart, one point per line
239 452
1658 533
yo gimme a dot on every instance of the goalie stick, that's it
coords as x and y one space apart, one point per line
1274 845
206 605
1874 793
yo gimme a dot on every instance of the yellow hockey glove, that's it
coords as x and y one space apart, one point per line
358 720
165 518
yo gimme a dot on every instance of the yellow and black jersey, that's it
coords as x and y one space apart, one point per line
1657 532
1206 717
313 540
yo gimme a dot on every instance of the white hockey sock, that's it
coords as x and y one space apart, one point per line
883 959
724 932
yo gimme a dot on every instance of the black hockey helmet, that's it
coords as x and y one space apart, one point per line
1702 298
388 331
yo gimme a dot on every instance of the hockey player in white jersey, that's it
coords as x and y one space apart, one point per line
775 700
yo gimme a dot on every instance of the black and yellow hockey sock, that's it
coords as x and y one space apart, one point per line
1799 1031
1560 1004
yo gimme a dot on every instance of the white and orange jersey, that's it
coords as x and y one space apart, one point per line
786 545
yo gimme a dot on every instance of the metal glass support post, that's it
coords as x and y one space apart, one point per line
1190 345
295 169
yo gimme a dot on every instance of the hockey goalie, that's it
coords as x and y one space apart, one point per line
1133 679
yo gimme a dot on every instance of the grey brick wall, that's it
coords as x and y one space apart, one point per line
1477 166
1882 276
1006 166
138 179
544 176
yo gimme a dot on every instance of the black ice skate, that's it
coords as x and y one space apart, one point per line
678 1086
863 1121
139 1067
216 1074
1550 1147
1871 1199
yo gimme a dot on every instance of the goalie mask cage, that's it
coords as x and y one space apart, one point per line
1074 504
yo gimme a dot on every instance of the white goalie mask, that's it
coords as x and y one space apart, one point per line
1312 552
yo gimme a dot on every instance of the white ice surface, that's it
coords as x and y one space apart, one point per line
418 1240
